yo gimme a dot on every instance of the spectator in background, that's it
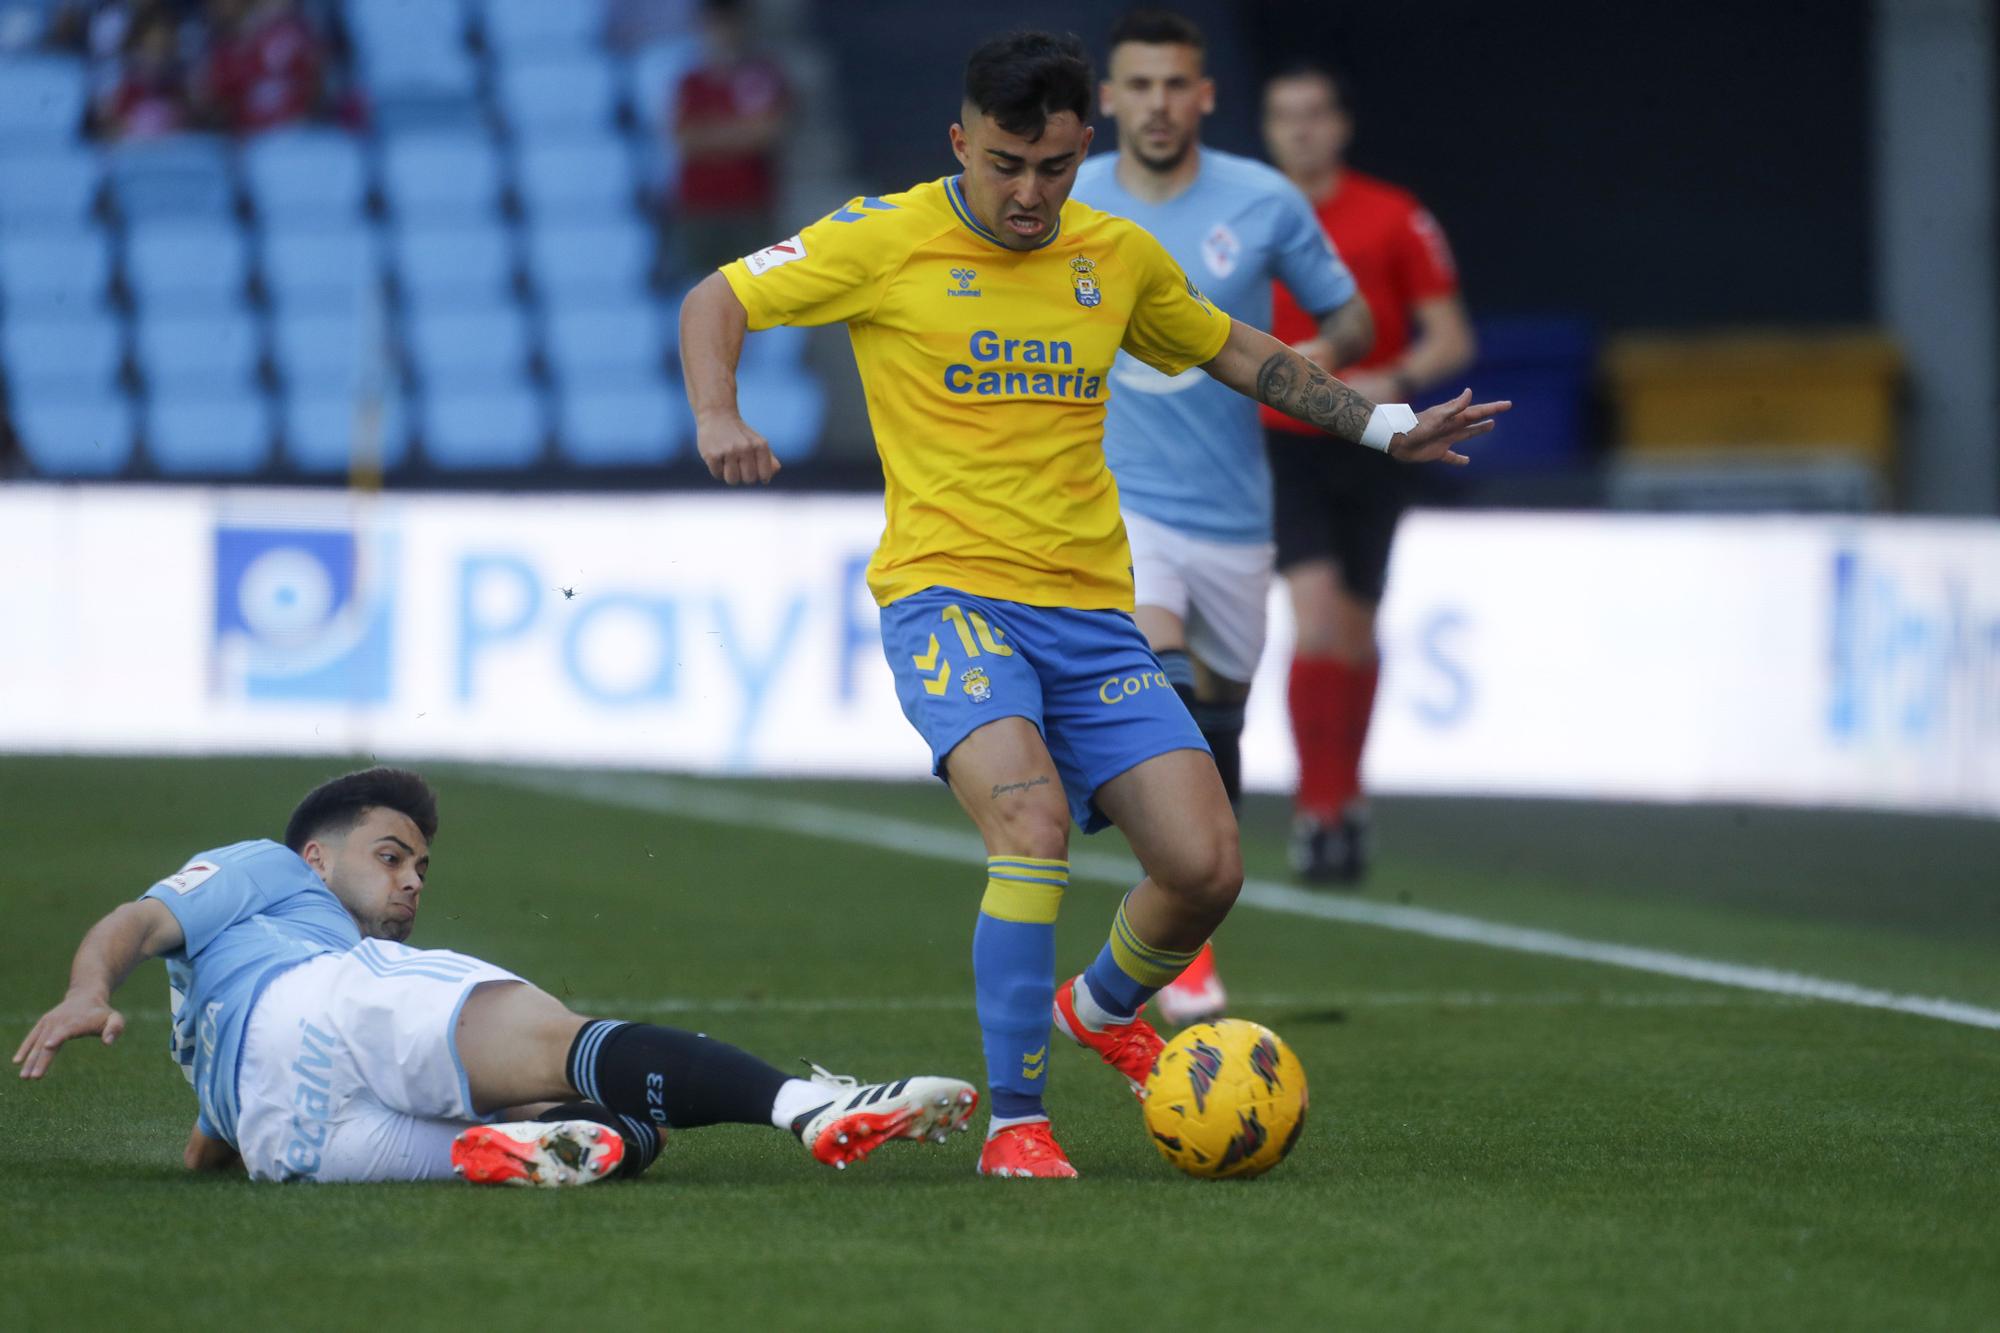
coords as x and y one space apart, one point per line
729 114
149 95
1337 509
266 65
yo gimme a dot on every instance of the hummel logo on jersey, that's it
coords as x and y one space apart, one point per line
771 256
965 277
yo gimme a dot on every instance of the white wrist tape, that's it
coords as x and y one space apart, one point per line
1387 420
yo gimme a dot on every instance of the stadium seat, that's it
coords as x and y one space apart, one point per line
322 270
411 45
186 264
407 114
654 75
186 175
49 272
41 97
787 408
320 428
780 350
621 340
537 25
306 176
574 178
441 177
48 187
77 353
582 261
464 343
329 351
546 95
638 423
195 435
65 436
471 261
492 427
209 353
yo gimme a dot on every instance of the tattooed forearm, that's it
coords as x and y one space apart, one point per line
1297 387
1006 788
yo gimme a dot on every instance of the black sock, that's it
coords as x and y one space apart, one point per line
1222 727
642 1141
665 1076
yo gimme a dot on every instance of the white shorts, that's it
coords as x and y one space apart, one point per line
350 1066
1220 590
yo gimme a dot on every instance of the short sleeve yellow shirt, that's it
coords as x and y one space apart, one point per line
986 372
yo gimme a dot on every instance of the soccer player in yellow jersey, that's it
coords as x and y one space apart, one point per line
985 310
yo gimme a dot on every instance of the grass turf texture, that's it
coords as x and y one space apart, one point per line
1497 1140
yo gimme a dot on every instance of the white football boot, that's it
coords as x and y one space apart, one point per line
861 1117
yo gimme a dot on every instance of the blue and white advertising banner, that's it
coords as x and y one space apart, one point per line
1794 660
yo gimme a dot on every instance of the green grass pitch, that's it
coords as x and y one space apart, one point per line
1498 1140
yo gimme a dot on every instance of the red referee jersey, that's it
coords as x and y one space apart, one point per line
1399 258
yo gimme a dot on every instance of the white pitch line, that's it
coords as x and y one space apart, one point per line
810 819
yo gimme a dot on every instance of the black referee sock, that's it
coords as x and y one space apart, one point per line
664 1076
1222 727
642 1141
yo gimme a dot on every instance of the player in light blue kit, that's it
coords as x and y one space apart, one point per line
321 1047
1188 452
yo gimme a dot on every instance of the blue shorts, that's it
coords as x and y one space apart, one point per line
1086 679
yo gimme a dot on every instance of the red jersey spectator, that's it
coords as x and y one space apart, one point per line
729 114
150 94
265 65
1336 509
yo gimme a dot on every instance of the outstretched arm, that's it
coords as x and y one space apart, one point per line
713 323
114 946
1257 365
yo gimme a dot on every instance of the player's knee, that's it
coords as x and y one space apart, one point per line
1036 828
1209 874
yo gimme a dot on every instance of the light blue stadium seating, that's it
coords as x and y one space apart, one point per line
199 434
46 187
496 426
540 25
186 175
553 95
571 178
207 353
77 353
584 260
634 423
463 343
319 432
50 272
780 350
41 97
441 177
470 261
788 408
186 264
320 352
403 114
65 436
652 76
306 177
412 45
312 269
621 340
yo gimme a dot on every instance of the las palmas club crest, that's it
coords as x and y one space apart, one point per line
1083 277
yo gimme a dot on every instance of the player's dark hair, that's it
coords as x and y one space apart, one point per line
337 806
1336 82
1156 27
1023 78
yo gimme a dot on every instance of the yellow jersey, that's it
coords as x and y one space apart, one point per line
986 372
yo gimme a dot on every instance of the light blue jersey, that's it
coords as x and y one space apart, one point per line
1188 452
249 911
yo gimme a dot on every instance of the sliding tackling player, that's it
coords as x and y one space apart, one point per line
1187 451
985 311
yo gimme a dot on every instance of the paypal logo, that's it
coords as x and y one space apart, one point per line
302 613
1911 659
